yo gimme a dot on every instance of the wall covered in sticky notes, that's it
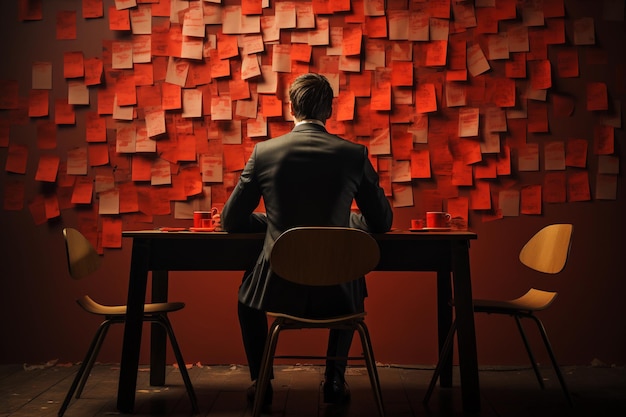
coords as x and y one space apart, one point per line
130 114
454 99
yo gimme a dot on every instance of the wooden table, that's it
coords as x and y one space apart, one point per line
446 253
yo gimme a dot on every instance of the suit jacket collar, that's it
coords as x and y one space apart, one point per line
309 126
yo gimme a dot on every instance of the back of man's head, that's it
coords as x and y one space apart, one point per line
311 97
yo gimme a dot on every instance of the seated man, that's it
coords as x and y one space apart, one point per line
307 177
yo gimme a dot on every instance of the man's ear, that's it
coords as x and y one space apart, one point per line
291 108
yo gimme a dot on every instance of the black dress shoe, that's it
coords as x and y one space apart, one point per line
336 392
267 401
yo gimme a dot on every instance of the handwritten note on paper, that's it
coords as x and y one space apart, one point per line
578 186
476 61
509 202
597 96
212 168
554 187
528 157
402 194
38 103
468 122
554 156
462 173
584 31
83 190
530 199
603 140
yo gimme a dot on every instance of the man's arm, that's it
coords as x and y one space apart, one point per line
237 215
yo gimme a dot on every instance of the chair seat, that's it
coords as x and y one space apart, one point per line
533 300
321 322
91 306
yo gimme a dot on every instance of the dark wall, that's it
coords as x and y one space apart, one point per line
41 322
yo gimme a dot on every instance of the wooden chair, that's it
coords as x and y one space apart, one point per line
83 260
319 256
547 251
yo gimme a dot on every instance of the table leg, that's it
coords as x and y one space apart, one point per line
133 326
466 336
158 335
444 321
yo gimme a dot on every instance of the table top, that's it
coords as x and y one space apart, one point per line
394 234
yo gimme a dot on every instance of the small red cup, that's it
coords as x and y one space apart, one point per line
417 224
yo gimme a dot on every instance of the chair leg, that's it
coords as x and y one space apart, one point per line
85 367
94 356
555 365
372 371
266 367
444 355
533 362
165 322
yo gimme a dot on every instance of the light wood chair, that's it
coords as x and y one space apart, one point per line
320 256
82 261
547 251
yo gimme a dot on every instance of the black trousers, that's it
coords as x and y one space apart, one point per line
254 330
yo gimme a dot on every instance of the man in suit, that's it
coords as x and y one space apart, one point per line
307 177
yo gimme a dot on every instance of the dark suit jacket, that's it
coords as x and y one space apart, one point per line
307 177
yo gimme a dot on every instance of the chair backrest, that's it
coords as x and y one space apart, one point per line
324 255
82 258
548 249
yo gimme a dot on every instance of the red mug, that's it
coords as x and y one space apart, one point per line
438 219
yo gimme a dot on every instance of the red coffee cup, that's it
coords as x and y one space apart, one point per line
437 219
202 219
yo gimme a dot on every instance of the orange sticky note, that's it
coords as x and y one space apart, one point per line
578 186
540 78
554 187
576 153
301 53
597 96
64 112
530 199
47 168
95 128
345 106
111 232
271 106
119 19
603 140
98 154
93 70
38 103
420 163
402 73
16 158
46 135
425 98
352 39
83 190
73 64
567 62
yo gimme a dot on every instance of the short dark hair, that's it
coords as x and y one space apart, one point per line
311 97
